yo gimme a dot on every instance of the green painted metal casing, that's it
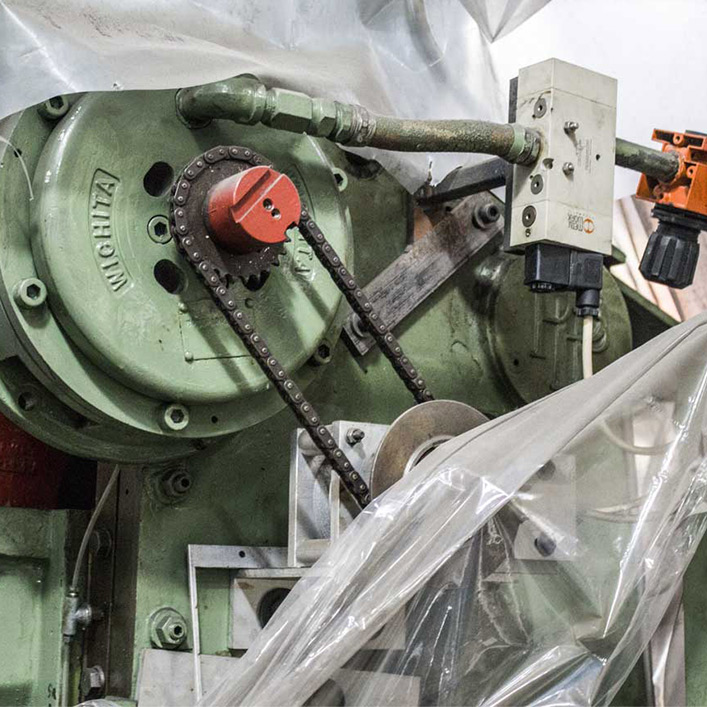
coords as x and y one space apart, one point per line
481 338
127 329
37 550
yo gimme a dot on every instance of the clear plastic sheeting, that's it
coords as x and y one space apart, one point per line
528 561
502 16
408 58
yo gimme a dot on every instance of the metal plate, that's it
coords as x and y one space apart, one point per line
319 510
415 434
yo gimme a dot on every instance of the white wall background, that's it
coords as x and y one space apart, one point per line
655 48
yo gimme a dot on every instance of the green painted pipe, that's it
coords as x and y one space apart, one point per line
244 99
654 163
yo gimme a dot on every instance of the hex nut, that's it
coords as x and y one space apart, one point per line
485 215
168 628
291 110
93 680
176 484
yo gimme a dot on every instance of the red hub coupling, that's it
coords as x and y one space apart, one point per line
252 209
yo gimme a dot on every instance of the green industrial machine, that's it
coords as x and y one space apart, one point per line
113 349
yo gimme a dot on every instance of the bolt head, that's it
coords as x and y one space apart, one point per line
30 293
168 629
175 417
177 483
528 216
354 435
545 545
93 681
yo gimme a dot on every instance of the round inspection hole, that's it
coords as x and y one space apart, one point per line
185 482
269 603
169 276
158 179
598 157
214 420
241 553
26 401
255 282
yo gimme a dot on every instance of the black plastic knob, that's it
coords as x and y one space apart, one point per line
671 255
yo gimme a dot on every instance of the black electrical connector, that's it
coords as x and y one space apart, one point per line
556 268
672 252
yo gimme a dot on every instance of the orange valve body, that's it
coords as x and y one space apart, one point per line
688 189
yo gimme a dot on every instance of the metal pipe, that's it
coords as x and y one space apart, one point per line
654 163
245 100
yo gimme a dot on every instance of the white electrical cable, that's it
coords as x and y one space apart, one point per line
633 448
65 647
91 525
587 332
587 372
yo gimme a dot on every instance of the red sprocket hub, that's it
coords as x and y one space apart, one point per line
252 209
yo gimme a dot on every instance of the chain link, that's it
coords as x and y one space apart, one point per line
216 282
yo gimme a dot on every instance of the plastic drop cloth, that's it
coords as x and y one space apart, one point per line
528 561
410 58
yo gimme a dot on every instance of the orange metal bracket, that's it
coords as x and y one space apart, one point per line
688 189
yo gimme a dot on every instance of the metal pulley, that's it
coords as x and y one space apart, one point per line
417 433
114 340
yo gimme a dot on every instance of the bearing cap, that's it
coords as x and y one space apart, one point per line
251 210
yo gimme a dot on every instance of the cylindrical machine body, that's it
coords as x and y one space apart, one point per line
103 323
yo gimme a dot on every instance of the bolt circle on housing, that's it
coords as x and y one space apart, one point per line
167 628
30 293
175 417
529 215
323 354
158 229
176 484
55 108
536 184
540 108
